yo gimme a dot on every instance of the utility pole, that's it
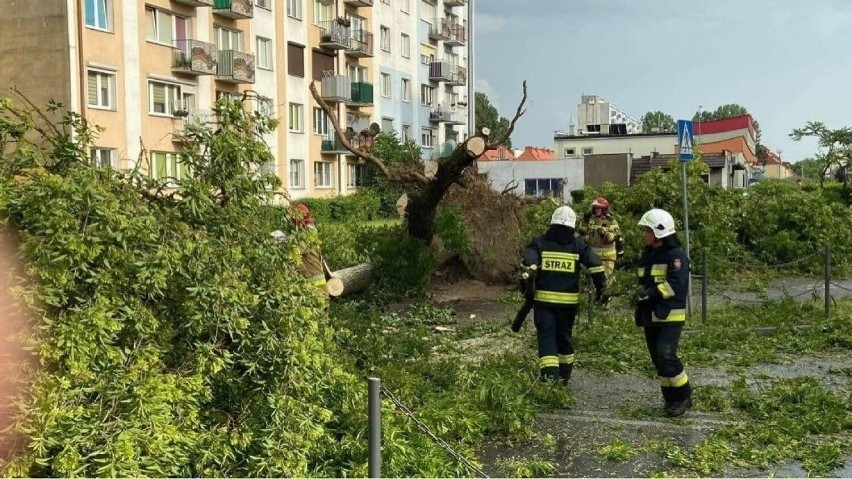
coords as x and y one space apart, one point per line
471 76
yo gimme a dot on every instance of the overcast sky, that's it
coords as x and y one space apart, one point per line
786 61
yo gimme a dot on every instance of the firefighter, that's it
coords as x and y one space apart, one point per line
661 303
558 255
602 233
312 267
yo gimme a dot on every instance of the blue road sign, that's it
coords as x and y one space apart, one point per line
685 141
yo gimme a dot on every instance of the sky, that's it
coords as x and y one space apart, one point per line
787 61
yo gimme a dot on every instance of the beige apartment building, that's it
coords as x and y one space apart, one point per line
143 69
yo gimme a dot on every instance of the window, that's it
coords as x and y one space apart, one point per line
426 95
99 14
406 132
101 89
102 157
167 165
320 122
297 173
163 98
163 27
322 174
322 62
587 150
323 11
545 187
428 11
427 137
384 39
265 106
294 9
405 6
357 74
264 53
267 4
386 2
405 45
570 151
387 124
296 118
228 39
386 85
406 89
356 175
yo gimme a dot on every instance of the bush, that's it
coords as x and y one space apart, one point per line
361 206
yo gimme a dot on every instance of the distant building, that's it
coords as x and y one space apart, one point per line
774 167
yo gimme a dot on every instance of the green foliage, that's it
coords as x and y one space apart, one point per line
395 154
487 116
362 206
657 121
449 227
616 450
533 467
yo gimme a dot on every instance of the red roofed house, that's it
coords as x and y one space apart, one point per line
497 154
532 153
735 134
775 167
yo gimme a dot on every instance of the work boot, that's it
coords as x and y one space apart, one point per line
565 372
677 408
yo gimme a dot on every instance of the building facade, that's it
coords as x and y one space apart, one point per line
144 69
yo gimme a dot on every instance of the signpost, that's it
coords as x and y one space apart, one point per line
686 153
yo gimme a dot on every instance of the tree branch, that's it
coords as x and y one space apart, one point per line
335 123
519 113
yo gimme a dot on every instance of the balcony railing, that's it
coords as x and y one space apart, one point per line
235 9
440 29
336 88
235 67
450 117
194 57
197 117
458 35
360 44
455 3
359 3
362 94
447 72
196 3
333 35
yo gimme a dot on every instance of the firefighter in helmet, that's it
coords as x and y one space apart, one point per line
602 233
312 267
661 303
558 254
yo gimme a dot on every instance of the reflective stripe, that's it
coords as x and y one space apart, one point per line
675 316
679 380
556 298
596 269
548 362
659 269
666 290
606 253
566 359
665 382
559 255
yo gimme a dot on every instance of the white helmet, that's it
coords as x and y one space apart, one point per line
660 221
564 215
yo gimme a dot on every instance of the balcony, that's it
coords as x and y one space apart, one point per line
333 146
440 30
447 72
196 3
336 89
359 3
194 57
458 35
450 117
362 94
333 35
235 67
198 117
455 3
360 44
235 9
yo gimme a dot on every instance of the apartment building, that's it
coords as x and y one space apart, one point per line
143 69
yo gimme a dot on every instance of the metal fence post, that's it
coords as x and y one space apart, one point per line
375 418
827 271
704 282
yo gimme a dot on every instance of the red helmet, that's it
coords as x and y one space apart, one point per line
301 215
601 203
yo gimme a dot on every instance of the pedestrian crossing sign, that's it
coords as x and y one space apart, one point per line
685 141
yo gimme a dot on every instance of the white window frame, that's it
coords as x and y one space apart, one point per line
322 172
406 132
97 6
296 118
294 9
172 165
405 45
427 95
234 37
264 4
588 150
320 122
98 155
356 73
386 85
570 151
405 86
264 53
103 79
159 16
386 2
406 6
171 102
427 137
297 174
323 12
385 38
352 174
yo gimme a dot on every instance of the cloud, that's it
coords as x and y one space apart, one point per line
483 86
487 23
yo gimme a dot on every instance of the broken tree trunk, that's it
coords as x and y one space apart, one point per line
355 278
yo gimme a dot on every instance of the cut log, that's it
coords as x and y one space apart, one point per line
334 286
475 146
401 205
430 169
352 279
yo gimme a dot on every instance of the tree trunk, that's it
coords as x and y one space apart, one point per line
355 278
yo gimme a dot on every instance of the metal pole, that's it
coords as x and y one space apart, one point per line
471 73
591 301
827 271
375 418
686 234
704 282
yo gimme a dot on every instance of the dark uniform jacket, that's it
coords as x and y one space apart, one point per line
559 254
664 280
